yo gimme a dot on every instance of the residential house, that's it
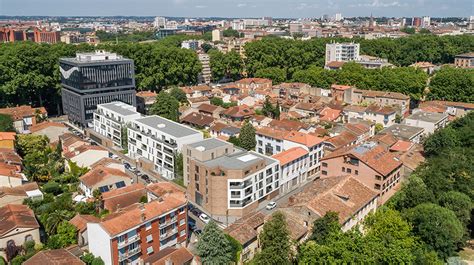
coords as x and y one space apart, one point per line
465 60
405 132
343 139
115 199
10 157
426 67
24 117
111 120
251 84
370 163
342 93
224 131
197 120
19 225
328 114
294 164
383 99
197 91
109 163
54 257
292 90
196 102
247 100
210 110
154 141
50 129
16 195
381 115
344 194
227 182
7 140
291 125
85 155
80 222
307 110
70 142
172 256
429 121
103 179
145 99
238 113
453 109
10 176
139 231
246 231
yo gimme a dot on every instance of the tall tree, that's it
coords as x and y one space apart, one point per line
213 246
275 242
325 226
6 123
178 94
66 236
247 136
165 106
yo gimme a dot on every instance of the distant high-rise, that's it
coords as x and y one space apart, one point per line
95 78
416 22
160 22
217 35
342 52
426 22
471 23
338 17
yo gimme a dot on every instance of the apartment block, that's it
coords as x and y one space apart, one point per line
382 98
294 164
139 231
228 182
342 52
429 121
465 60
110 119
155 141
370 163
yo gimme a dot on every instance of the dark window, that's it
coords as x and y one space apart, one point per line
325 164
357 172
324 172
120 184
103 189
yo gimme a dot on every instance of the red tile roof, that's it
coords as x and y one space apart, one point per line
20 112
328 114
4 136
99 174
305 139
340 87
170 255
401 146
241 111
15 216
44 125
273 133
146 94
290 155
80 221
81 149
123 197
244 230
54 257
253 80
197 119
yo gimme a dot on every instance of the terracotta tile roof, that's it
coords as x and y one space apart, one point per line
198 88
197 119
244 230
413 158
123 197
239 111
308 106
343 139
18 190
81 149
386 110
9 171
14 216
54 257
7 136
382 94
288 125
80 221
9 156
357 128
305 139
20 112
294 85
198 99
340 87
146 94
165 189
422 64
106 162
343 194
170 255
253 80
133 215
209 108
295 223
385 139
44 125
335 64
100 173
328 114
273 133
401 146
218 126
441 105
355 108
290 155
372 154
69 139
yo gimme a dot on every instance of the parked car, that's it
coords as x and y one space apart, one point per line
196 211
126 165
271 205
133 169
204 218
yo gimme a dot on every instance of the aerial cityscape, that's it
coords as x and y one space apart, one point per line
218 132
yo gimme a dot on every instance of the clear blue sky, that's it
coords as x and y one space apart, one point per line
238 8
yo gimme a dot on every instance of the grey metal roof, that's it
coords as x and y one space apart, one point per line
432 117
403 131
119 107
240 159
210 143
167 126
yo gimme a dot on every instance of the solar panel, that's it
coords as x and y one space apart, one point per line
120 184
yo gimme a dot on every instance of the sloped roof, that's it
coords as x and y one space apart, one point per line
20 112
123 197
54 257
198 119
100 173
290 155
7 136
80 221
14 216
305 139
44 125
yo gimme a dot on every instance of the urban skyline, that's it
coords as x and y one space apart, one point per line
258 8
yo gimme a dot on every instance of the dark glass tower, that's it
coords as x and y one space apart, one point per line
95 78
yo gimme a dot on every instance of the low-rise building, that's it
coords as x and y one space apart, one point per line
115 199
465 60
7 140
370 163
453 109
197 91
111 119
294 164
227 182
24 116
210 110
16 195
10 157
103 179
139 231
86 155
197 120
18 226
385 116
50 129
155 141
10 176
238 113
145 99
429 121
405 132
54 257
80 222
251 84
383 99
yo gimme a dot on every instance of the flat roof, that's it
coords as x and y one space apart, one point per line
120 108
433 117
403 131
209 144
240 159
167 126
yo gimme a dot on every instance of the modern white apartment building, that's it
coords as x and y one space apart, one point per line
110 119
271 142
294 165
154 141
342 52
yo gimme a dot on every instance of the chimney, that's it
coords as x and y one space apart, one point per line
142 210
118 208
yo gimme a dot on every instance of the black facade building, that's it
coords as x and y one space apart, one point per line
95 78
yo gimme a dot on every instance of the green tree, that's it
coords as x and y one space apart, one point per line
459 203
413 192
247 137
275 242
408 30
213 246
206 47
178 161
231 33
29 143
324 227
453 84
236 248
438 227
440 140
277 75
165 106
6 123
378 128
217 101
66 236
124 137
267 109
53 220
178 94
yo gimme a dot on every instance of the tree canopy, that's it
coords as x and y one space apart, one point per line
213 246
165 106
